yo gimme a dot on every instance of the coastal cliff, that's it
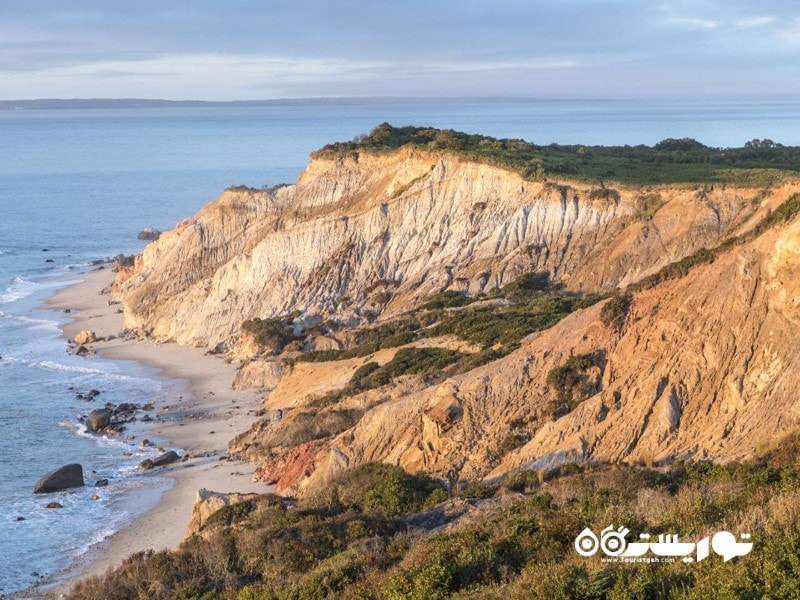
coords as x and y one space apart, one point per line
697 363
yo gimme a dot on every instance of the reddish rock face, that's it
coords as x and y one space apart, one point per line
290 469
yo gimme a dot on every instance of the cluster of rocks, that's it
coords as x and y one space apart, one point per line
112 417
80 345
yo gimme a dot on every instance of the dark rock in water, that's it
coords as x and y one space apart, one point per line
147 418
49 260
145 443
54 505
125 407
101 483
98 419
67 310
149 407
149 234
66 477
20 519
83 351
145 465
94 392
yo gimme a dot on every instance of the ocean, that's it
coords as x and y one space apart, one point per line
77 185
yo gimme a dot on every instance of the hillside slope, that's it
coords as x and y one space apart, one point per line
698 365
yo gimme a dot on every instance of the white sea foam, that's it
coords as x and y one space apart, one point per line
38 323
21 288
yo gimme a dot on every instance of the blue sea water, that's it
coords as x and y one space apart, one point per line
80 184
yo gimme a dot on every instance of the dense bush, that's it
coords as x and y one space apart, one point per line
649 206
387 489
489 326
355 544
527 284
570 383
447 299
615 310
670 161
271 334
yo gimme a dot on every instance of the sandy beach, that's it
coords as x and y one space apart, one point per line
202 413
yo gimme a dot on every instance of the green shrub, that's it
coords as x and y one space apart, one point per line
649 205
387 489
447 299
616 309
570 383
272 334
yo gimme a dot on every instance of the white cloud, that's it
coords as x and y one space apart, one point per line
693 22
752 22
234 76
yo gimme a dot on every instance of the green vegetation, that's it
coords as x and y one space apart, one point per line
407 361
386 489
615 310
447 299
670 161
649 206
535 306
272 334
362 538
509 324
570 383
370 340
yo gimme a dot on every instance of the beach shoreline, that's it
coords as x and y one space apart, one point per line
200 415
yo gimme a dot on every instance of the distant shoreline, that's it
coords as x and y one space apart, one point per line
117 103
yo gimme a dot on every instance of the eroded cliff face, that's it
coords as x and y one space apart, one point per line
701 366
373 235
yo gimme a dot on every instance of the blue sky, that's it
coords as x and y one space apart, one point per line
236 49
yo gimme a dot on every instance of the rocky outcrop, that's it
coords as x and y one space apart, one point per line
149 234
63 478
206 503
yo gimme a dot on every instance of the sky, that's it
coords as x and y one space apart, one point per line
247 50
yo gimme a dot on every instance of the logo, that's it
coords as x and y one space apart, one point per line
667 548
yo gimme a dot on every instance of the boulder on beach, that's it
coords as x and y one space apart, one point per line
98 419
68 476
85 337
149 234
54 505
101 483
164 459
